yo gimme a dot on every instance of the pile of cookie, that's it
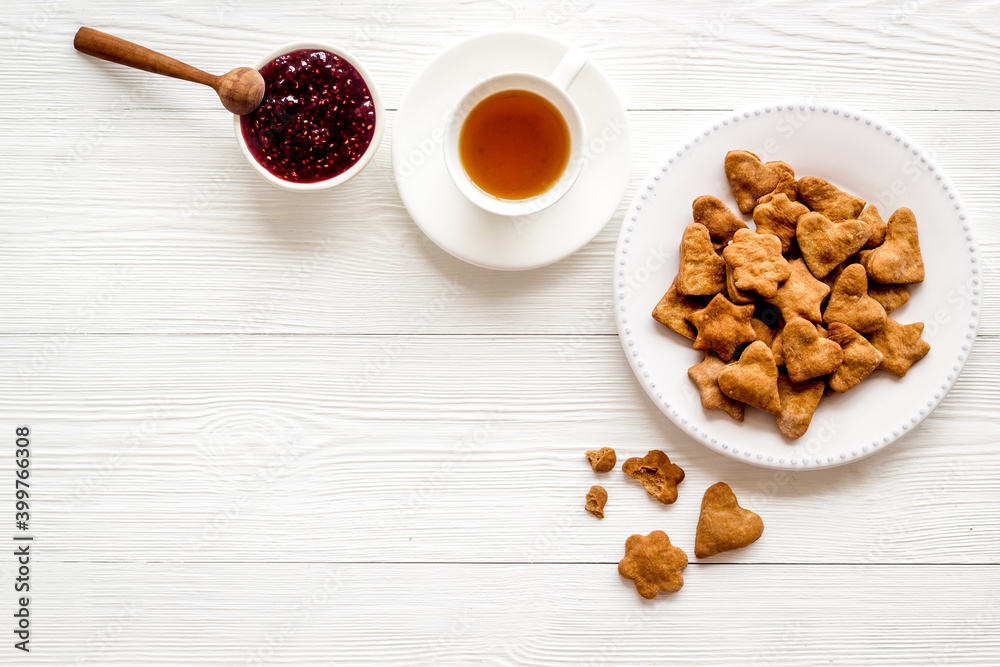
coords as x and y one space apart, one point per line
797 308
652 563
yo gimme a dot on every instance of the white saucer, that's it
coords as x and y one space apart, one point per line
459 226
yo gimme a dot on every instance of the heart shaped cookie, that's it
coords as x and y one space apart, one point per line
898 259
825 243
753 379
823 197
701 271
723 525
806 354
860 357
751 179
714 214
798 403
850 303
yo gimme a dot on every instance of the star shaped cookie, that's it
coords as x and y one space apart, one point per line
722 326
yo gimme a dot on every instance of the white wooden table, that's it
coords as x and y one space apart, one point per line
280 429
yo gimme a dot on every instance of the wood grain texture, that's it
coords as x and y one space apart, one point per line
274 429
195 241
709 55
207 449
408 614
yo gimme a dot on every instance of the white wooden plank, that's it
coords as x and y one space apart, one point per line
442 448
334 614
703 55
156 224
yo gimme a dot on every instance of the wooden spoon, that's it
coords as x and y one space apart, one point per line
241 90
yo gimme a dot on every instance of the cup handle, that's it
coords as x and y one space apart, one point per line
568 68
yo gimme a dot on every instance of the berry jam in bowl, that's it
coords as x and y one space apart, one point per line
321 120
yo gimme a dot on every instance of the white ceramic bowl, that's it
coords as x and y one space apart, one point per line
356 168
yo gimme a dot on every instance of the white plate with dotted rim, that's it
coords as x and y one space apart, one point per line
863 155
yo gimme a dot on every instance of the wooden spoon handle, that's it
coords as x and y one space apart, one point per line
108 47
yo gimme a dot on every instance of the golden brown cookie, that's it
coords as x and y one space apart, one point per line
825 243
787 185
890 296
798 403
801 295
806 354
757 262
753 379
705 375
751 179
764 333
603 459
657 474
722 327
653 564
716 216
860 357
779 216
673 310
898 259
723 525
823 197
850 303
900 345
736 295
876 224
702 271
597 498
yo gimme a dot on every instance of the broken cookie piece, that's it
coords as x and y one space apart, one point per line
597 498
657 474
602 460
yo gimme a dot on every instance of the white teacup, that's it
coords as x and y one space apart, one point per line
552 89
